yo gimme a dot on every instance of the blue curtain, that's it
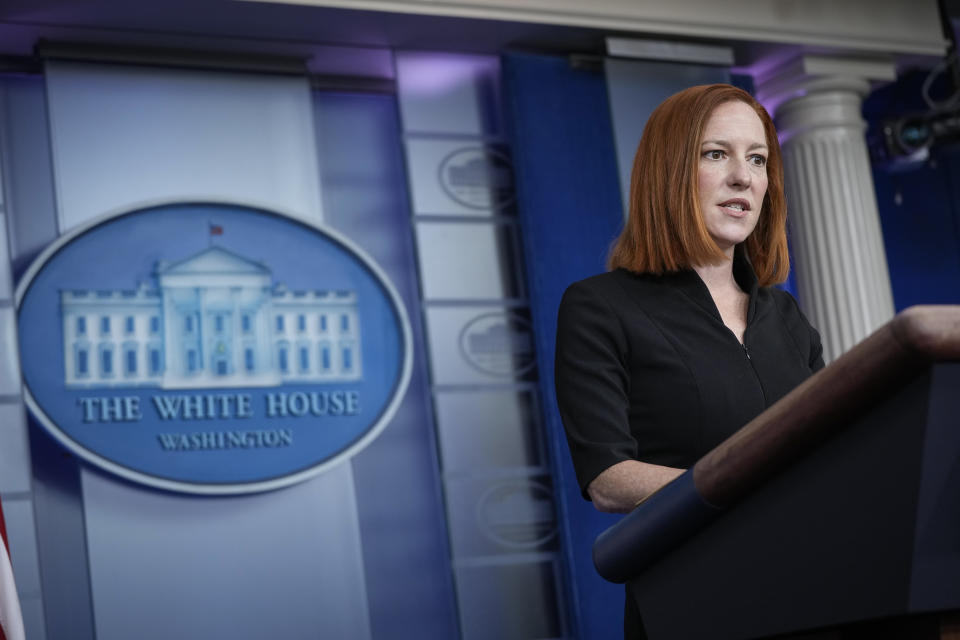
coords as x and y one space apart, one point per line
570 210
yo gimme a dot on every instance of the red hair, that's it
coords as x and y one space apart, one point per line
665 230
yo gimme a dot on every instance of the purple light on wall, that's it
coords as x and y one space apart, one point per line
428 74
764 69
448 93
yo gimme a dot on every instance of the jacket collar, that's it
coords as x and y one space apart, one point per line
689 282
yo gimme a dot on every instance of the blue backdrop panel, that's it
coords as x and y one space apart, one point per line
570 211
57 498
918 201
402 522
225 147
920 217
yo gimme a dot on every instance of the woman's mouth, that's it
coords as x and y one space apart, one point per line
737 207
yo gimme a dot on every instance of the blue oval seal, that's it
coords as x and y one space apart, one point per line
211 348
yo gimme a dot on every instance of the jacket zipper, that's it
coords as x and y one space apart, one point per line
756 376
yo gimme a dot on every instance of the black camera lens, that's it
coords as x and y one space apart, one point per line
913 134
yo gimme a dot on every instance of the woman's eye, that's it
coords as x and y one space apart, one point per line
758 160
714 154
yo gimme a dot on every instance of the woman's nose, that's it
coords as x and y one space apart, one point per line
739 173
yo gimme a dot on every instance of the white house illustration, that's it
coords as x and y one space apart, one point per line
217 320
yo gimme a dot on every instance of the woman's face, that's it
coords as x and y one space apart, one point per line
732 173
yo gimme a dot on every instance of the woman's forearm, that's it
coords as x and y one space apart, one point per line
619 488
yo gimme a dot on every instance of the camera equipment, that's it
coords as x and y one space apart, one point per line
911 134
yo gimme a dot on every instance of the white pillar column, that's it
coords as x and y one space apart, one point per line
841 266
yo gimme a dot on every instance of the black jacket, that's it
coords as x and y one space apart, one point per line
646 370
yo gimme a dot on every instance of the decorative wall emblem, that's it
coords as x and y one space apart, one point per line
478 177
224 357
498 344
519 514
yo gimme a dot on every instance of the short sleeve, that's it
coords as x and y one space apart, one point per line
592 382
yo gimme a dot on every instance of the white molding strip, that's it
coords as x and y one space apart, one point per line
670 51
896 26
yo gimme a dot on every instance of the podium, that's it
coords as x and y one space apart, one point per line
834 514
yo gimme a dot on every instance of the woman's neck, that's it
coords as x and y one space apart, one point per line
718 277
731 301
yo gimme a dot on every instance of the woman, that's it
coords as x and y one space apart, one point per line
683 341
